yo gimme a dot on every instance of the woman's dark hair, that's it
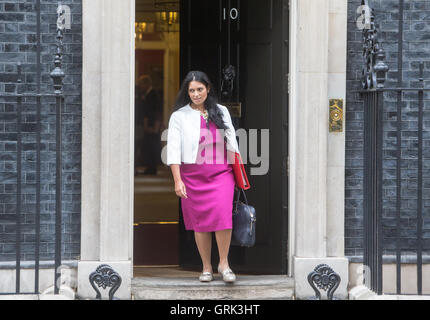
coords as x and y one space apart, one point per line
183 98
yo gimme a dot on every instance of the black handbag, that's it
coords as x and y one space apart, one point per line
244 219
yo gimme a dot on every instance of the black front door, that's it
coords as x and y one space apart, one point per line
252 37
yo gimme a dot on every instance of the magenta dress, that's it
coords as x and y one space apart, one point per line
209 184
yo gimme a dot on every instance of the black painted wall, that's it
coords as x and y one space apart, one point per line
18 44
416 48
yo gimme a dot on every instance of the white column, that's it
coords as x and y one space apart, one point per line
336 141
107 142
311 126
310 155
91 133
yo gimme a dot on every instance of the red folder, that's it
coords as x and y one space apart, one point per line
239 172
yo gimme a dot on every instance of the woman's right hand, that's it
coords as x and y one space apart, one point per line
180 189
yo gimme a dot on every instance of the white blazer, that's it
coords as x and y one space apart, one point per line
184 135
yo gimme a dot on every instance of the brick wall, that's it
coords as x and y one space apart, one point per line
416 48
18 43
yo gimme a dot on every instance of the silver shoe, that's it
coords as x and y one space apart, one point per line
206 277
227 275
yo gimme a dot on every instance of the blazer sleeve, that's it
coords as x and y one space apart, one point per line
174 137
230 132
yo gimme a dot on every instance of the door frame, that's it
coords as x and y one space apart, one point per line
292 128
286 235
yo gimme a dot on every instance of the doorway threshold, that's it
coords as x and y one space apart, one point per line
152 271
174 283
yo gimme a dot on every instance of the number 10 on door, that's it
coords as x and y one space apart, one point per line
233 13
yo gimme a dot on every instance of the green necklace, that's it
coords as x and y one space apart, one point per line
205 115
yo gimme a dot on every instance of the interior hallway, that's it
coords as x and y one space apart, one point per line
155 219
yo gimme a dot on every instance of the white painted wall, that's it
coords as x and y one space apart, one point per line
107 141
317 74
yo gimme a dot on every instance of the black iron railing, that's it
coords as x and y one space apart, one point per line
22 101
373 186
375 95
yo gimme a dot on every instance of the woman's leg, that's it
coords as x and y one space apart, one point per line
204 244
223 239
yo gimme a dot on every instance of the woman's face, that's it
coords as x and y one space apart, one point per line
198 92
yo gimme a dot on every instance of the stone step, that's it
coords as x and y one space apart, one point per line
270 287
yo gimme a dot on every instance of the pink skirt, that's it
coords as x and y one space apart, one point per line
209 186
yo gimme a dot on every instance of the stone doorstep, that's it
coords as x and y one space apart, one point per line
245 287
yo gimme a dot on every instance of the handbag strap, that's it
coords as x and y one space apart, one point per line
238 197
243 192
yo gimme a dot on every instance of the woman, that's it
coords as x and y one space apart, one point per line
200 139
